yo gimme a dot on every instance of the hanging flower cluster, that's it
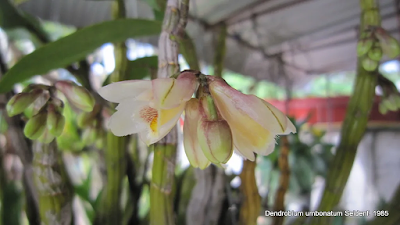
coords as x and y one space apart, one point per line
47 122
218 120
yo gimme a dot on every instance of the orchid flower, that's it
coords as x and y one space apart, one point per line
150 108
254 122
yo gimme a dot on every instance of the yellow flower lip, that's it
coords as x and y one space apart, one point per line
150 115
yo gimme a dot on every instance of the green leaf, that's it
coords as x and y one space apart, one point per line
83 190
139 68
10 17
75 47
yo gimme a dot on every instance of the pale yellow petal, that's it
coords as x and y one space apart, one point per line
248 134
254 108
124 90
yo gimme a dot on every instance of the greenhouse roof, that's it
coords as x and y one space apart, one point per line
312 36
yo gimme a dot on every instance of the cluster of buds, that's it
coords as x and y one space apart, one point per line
45 110
390 100
218 121
374 43
91 123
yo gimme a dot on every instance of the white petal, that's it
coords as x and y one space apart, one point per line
132 89
290 128
123 122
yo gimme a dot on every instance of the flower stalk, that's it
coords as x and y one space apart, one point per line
354 124
109 211
251 205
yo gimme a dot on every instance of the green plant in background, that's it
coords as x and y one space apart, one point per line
359 107
137 189
307 159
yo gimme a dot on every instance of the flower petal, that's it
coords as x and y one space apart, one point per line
248 134
125 121
190 142
250 106
170 93
166 120
124 90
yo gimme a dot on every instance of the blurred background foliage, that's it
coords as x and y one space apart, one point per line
80 147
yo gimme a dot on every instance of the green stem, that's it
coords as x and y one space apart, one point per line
188 50
161 198
353 129
109 212
52 184
220 51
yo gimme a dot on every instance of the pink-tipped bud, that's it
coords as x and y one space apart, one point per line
390 46
76 95
193 150
215 139
19 102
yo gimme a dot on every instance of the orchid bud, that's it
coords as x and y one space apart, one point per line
375 53
390 103
215 139
363 46
369 64
390 46
55 120
89 136
193 150
86 119
35 126
382 109
77 95
19 102
46 137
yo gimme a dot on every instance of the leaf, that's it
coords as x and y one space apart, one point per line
139 68
75 47
83 190
10 17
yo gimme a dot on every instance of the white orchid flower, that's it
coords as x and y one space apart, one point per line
150 108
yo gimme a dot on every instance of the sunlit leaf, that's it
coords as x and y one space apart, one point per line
75 47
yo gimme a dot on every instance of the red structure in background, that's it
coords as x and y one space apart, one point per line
329 110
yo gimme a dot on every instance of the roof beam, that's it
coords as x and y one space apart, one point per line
249 15
314 34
